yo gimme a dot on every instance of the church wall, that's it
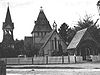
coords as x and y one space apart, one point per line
50 46
36 34
47 50
64 46
53 38
60 41
37 39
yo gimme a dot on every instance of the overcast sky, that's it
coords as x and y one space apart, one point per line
25 12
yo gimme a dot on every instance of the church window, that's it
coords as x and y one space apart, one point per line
5 32
58 44
52 45
41 33
9 32
55 39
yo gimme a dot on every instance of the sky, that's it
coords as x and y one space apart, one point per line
25 12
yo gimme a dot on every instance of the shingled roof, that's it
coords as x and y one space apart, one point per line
42 24
8 16
76 39
81 35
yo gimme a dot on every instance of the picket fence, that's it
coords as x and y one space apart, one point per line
95 58
44 60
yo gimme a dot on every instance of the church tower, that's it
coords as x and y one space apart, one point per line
8 26
41 28
42 24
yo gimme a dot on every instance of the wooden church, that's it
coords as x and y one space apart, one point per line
83 44
44 38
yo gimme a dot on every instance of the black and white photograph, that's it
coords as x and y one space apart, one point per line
49 37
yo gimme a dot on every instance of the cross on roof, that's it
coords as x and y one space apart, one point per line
41 7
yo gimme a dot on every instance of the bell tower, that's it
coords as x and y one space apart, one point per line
7 28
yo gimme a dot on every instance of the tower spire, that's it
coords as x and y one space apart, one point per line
8 16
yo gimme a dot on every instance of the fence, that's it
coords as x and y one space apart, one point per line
2 68
95 58
49 60
44 60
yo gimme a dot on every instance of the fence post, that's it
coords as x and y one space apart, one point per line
75 58
62 59
46 59
18 61
32 60
68 58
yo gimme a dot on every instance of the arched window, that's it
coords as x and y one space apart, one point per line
41 33
55 39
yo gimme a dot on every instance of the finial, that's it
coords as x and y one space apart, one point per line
41 8
54 25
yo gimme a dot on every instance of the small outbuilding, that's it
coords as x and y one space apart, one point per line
83 44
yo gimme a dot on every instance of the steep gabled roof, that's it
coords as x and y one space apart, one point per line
42 24
8 20
76 39
8 16
47 38
81 35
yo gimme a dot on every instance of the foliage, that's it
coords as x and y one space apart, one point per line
66 32
62 31
19 47
8 52
84 23
33 51
70 34
87 22
12 51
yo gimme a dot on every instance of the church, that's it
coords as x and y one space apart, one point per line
83 44
45 38
8 26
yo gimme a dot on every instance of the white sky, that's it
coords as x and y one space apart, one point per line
25 12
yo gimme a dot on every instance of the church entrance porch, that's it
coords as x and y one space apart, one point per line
86 49
86 52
